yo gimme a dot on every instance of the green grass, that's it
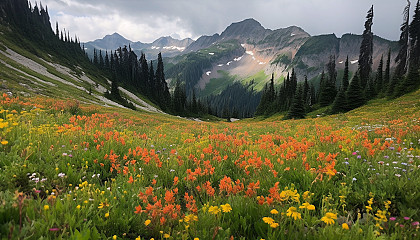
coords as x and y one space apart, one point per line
47 141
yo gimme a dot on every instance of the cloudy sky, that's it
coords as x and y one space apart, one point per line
147 20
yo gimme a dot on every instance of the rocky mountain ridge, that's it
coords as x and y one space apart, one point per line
265 51
168 46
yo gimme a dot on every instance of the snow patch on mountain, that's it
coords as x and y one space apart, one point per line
174 48
250 53
208 73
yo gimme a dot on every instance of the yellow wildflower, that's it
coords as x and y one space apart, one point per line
226 207
329 218
268 220
190 218
387 203
345 226
196 239
4 142
306 195
114 237
274 211
107 214
103 204
214 210
307 206
147 222
292 212
166 235
138 238
274 225
46 207
78 207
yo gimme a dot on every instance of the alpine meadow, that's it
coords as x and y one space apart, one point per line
249 134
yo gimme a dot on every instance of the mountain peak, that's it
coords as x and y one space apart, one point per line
116 35
243 29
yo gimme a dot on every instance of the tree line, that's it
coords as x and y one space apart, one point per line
296 100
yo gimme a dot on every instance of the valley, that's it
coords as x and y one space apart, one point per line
252 133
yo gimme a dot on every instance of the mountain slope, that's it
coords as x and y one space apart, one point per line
261 52
38 62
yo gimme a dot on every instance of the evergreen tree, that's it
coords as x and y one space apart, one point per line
414 33
57 31
179 98
354 95
366 50
412 81
112 62
339 104
268 97
387 74
402 56
271 92
194 106
262 106
271 97
152 82
106 61
379 75
370 91
144 75
297 109
115 92
328 90
306 89
164 96
314 99
321 85
345 81
101 60
95 57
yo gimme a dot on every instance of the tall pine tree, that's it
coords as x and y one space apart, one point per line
354 95
366 50
345 81
297 109
328 90
412 81
379 75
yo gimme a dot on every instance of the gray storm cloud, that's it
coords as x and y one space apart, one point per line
147 20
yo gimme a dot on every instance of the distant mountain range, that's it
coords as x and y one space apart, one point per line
168 46
247 52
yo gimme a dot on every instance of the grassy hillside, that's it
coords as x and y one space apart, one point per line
89 172
28 69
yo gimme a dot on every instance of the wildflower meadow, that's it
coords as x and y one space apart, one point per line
75 171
